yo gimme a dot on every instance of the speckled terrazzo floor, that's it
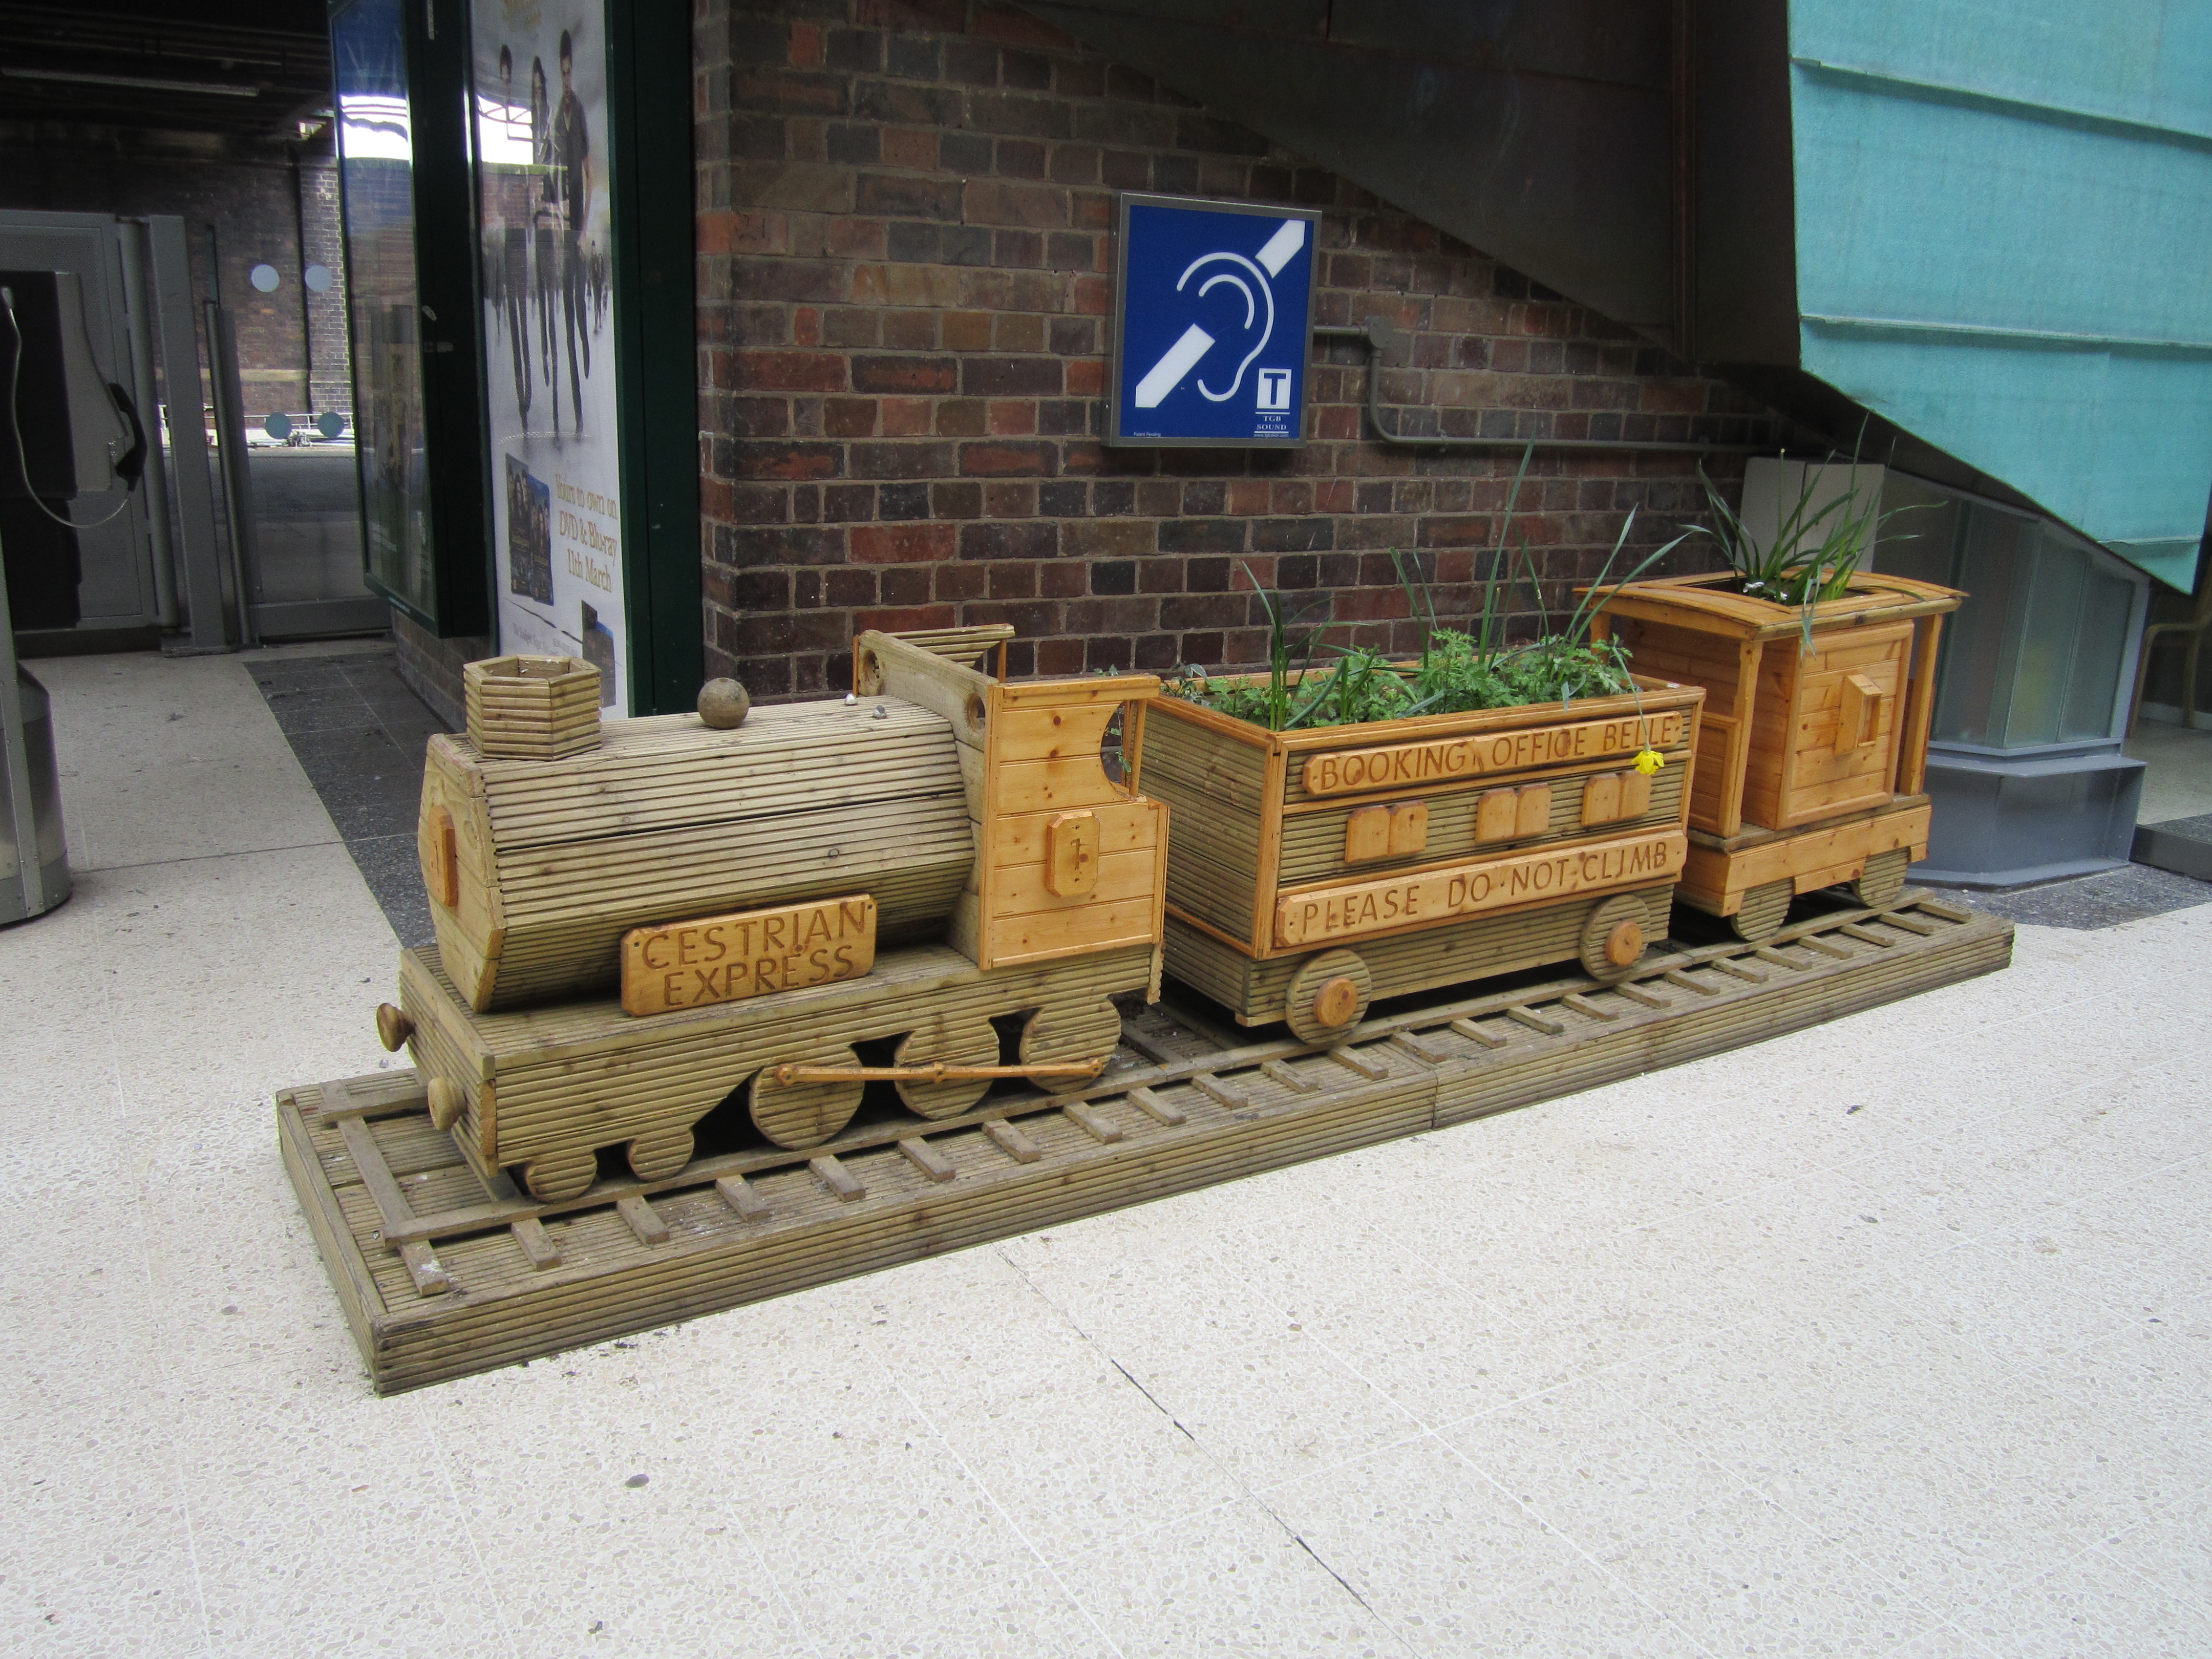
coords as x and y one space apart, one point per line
1889 1338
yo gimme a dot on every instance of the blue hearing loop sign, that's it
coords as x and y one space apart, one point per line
1213 306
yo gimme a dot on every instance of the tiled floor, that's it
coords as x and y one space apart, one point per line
358 732
1889 1338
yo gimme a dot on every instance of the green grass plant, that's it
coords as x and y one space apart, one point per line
1458 669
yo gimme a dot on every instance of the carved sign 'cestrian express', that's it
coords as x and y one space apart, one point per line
1409 763
1381 907
688 964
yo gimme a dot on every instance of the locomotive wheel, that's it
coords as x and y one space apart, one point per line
1613 939
952 1044
1882 882
1763 912
559 1175
1071 1034
805 1114
1328 994
661 1153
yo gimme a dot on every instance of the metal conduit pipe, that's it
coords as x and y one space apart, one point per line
1380 332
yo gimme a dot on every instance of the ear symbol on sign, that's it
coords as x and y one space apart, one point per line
1267 293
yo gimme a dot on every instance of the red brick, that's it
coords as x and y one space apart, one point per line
1108 538
1673 397
789 371
902 544
1086 377
910 146
1011 377
963 417
1010 458
1059 657
849 417
761 460
743 233
1035 207
902 195
904 375
850 238
906 618
1013 417
905 418
816 93
961 581
967 331
910 330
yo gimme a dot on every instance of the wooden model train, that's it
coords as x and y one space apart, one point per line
638 924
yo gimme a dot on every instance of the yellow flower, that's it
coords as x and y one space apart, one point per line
1650 761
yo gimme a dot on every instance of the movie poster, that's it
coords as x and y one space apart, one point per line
539 71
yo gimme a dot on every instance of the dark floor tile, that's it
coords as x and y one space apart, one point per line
396 715
2195 829
376 675
367 784
359 734
2088 903
314 674
357 662
393 868
320 710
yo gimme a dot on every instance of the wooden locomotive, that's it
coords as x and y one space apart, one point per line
1813 746
1311 871
635 924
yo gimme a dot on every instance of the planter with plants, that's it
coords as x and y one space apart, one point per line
1819 677
1363 827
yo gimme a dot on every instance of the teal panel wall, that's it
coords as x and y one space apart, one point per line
2004 232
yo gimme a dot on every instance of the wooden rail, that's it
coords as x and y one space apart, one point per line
442 1273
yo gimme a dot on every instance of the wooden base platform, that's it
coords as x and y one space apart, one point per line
442 1274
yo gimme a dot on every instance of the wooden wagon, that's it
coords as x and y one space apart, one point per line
1312 872
1811 762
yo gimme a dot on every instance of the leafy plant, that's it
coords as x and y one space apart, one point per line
1815 552
1457 670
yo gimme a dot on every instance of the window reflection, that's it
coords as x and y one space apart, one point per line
377 182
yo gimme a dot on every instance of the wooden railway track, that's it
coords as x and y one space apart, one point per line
442 1273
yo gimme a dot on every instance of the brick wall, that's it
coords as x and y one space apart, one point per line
331 362
904 209
432 666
